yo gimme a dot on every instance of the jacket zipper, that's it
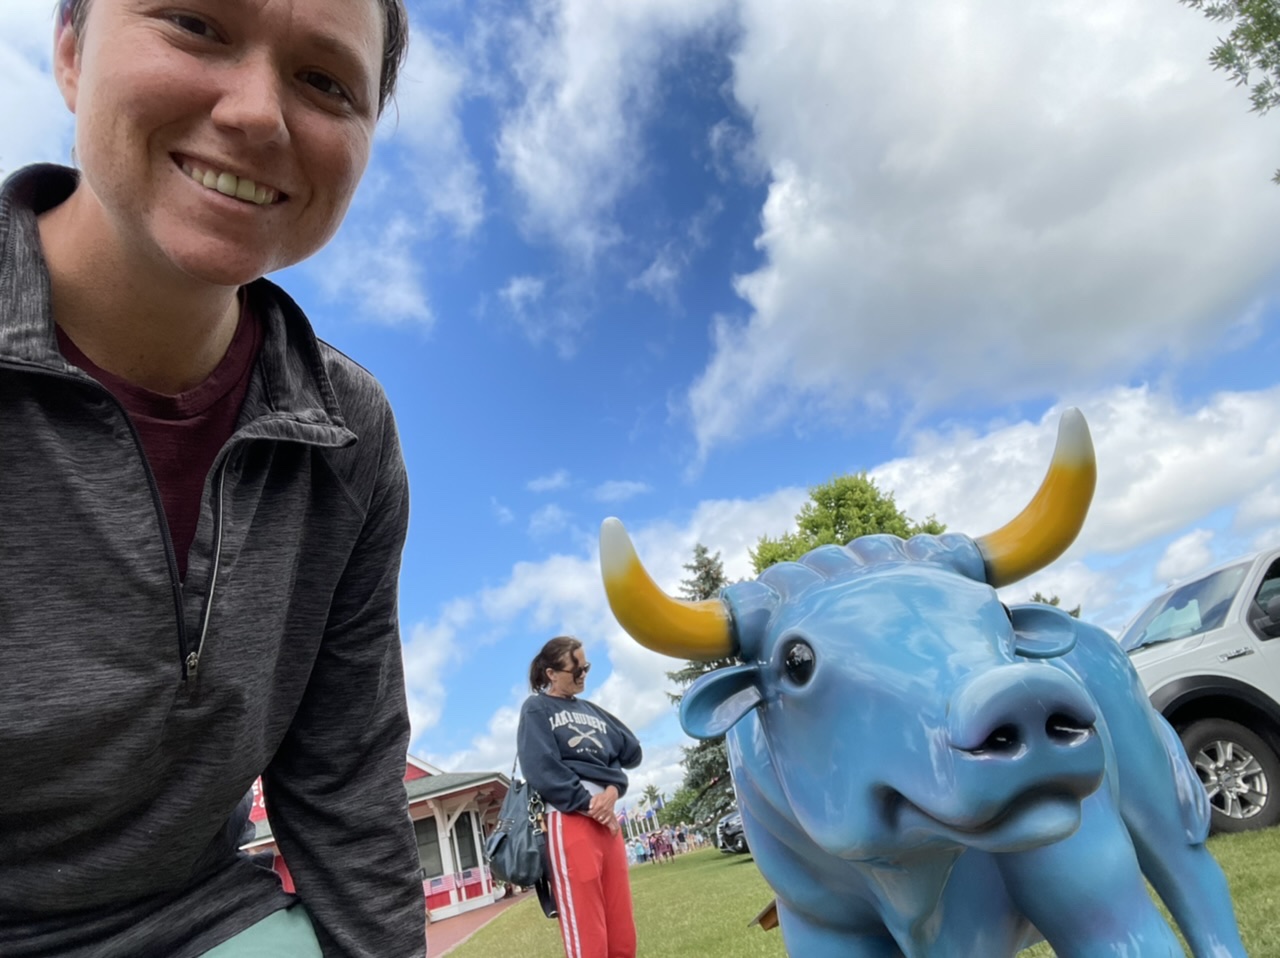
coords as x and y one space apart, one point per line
191 663
156 502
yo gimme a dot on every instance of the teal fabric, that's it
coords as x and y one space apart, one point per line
284 934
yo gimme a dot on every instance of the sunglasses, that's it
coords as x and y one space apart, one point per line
577 672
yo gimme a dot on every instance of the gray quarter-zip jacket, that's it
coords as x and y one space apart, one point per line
137 710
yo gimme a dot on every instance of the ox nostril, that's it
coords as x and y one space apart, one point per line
1003 741
1064 729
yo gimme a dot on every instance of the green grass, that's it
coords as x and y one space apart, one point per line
701 904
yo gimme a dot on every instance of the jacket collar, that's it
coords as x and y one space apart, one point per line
294 397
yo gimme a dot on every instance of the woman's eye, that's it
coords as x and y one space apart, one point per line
194 25
325 84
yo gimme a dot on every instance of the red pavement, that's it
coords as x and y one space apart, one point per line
444 936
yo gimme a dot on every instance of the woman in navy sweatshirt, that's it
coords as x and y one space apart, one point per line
574 753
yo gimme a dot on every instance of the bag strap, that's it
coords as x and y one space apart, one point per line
546 894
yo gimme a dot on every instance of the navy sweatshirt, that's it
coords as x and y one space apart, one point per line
561 742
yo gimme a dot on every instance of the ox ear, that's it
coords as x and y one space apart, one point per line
1042 631
715 702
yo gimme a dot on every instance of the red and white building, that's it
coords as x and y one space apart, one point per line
452 813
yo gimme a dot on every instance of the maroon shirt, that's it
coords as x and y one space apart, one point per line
182 435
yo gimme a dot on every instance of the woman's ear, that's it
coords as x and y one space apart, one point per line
66 63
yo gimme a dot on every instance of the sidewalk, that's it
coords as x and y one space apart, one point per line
444 936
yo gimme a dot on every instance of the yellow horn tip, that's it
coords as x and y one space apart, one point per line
1052 520
689 630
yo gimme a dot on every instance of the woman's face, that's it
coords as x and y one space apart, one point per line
223 138
571 677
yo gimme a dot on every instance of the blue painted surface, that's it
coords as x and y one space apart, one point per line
922 772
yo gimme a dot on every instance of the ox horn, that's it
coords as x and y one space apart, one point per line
687 630
1053 518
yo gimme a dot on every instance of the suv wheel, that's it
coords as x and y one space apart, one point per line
740 844
1239 771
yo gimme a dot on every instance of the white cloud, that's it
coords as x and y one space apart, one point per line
548 520
1261 507
619 490
37 125
1162 468
421 182
376 269
501 512
973 203
425 125
521 292
549 483
492 750
1185 556
661 278
430 648
662 768
539 320
588 74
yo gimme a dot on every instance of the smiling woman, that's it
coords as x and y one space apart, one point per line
202 506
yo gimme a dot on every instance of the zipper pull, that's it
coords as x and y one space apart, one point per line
193 664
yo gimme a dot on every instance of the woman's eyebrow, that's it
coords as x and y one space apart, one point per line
340 49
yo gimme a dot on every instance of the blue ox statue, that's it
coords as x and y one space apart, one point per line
925 772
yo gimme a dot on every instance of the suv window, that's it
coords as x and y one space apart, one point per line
1270 585
1196 607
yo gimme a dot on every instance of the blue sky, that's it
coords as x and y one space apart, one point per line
677 260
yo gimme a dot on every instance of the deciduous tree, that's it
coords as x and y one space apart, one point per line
837 512
1250 53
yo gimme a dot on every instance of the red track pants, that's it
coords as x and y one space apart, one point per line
593 890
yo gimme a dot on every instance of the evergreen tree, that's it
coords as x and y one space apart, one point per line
705 581
707 784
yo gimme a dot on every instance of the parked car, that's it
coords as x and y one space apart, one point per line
729 836
1208 654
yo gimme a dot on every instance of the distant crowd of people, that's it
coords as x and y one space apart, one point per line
664 844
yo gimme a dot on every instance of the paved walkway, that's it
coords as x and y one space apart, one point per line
444 936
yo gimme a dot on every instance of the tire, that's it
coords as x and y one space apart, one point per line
740 844
1240 772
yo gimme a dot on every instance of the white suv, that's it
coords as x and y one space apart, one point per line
1208 653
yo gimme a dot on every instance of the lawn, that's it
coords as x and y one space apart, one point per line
701 904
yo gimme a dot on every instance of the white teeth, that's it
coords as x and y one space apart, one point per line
231 185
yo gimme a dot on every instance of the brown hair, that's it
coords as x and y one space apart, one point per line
73 13
552 656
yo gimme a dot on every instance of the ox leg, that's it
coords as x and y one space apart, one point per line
1162 805
1086 895
806 938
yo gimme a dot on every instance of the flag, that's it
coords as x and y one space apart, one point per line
622 816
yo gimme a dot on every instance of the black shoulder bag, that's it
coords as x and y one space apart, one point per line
517 849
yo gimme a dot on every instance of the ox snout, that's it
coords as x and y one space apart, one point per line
1028 714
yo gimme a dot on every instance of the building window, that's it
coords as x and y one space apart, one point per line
467 857
428 847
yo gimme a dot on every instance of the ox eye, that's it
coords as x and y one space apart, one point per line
798 661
